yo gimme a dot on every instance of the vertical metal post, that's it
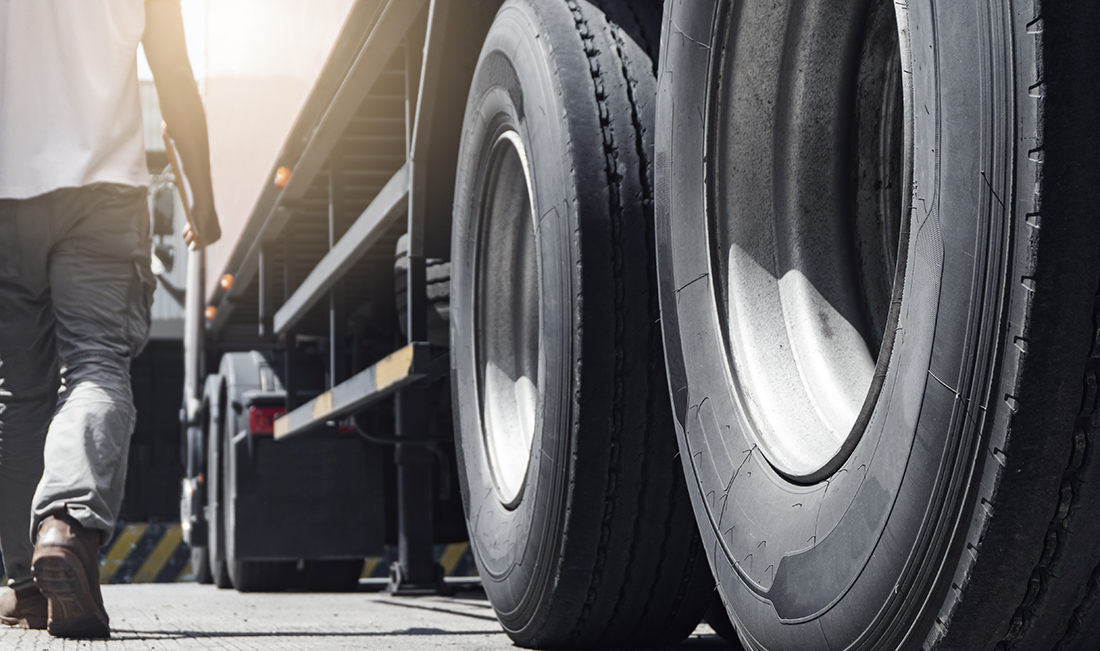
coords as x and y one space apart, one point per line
193 338
266 308
416 306
194 373
415 571
291 379
336 314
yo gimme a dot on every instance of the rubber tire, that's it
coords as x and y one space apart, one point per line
339 575
601 549
200 565
719 620
438 276
215 526
245 371
974 524
252 576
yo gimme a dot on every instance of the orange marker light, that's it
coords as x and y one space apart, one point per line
227 282
282 177
211 312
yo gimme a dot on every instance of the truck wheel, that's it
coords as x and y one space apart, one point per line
200 565
193 502
577 513
246 371
249 576
215 490
878 245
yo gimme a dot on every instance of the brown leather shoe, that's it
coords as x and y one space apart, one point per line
66 569
25 607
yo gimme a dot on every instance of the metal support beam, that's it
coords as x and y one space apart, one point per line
386 208
266 277
394 372
319 136
415 571
292 378
395 21
336 316
194 373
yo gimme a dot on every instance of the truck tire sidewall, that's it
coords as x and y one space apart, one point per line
215 494
817 566
517 547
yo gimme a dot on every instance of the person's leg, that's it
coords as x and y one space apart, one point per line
102 287
28 373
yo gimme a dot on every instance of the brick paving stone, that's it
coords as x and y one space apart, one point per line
169 617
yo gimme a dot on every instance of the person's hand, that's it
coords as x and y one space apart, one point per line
209 230
181 106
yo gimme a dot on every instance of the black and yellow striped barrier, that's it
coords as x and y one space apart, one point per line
143 553
456 560
155 553
146 553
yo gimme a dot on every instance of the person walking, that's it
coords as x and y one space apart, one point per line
75 281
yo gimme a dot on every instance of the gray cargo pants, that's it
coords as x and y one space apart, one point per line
75 291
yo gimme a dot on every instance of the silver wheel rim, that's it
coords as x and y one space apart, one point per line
507 317
808 295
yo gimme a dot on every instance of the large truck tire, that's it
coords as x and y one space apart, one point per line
241 372
578 516
193 502
215 487
879 251
250 576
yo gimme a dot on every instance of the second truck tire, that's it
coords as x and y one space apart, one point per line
578 515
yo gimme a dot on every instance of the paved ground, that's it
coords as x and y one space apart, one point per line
190 616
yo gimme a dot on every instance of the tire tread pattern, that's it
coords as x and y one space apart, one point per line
1062 548
1086 429
580 629
643 613
620 561
1056 608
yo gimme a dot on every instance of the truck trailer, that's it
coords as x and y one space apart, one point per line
782 313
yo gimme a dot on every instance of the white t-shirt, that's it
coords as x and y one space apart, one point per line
70 113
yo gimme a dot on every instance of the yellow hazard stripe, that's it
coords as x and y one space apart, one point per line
116 556
368 567
157 558
451 556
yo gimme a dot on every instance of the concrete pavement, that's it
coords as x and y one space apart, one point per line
190 616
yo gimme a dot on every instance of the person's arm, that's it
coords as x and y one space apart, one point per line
181 106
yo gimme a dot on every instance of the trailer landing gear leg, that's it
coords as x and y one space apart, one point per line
415 572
